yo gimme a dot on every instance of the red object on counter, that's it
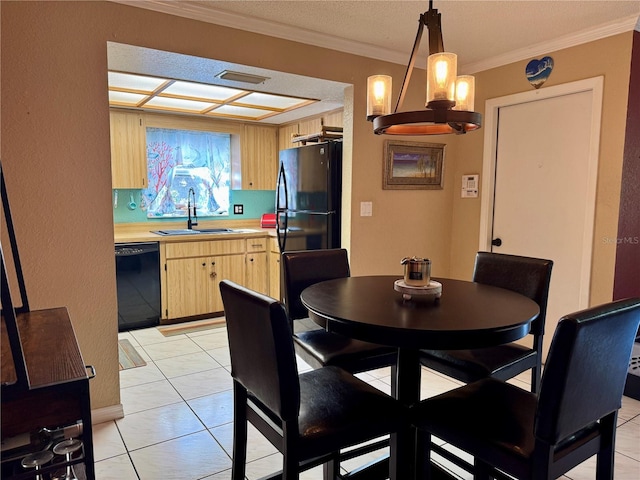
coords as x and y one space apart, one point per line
268 220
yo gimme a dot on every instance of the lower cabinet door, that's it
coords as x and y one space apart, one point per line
189 286
193 284
258 272
227 267
274 275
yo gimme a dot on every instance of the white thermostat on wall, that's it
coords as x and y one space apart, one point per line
470 186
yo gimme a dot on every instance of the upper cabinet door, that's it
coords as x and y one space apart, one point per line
128 150
259 158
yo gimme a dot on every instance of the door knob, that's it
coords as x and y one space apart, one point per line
496 242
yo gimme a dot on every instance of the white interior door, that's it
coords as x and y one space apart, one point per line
544 156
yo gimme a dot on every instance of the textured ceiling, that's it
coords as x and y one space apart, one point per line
484 34
477 30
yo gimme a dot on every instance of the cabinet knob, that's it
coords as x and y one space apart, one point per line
251 259
213 274
204 264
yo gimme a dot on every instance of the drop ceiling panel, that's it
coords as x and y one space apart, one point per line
165 94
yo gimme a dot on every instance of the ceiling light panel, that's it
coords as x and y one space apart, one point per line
155 93
134 82
199 90
273 101
244 112
179 104
125 98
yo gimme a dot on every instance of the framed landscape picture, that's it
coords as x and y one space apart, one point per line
413 165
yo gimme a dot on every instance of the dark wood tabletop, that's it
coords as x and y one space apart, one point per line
467 315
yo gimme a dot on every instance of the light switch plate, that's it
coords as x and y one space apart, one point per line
366 209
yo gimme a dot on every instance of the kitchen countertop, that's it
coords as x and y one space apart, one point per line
142 232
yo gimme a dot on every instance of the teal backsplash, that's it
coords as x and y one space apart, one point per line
254 202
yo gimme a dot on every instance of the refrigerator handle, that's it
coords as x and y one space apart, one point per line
282 180
281 227
281 230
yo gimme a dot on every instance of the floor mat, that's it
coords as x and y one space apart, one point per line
191 327
128 356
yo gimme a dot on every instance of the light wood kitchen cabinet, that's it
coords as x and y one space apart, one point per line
194 271
128 150
333 119
274 269
259 157
307 126
285 134
310 126
257 265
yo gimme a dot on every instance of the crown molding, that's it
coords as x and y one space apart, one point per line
272 29
204 13
589 35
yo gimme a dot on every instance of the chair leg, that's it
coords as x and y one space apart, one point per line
238 468
535 380
394 378
290 468
290 461
606 455
331 469
481 470
423 455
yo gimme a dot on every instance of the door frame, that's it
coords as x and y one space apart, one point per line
594 85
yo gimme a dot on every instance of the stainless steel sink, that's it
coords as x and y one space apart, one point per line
195 231
214 230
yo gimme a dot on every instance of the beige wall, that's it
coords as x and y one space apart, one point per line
55 151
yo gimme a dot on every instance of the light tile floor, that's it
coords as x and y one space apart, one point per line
178 417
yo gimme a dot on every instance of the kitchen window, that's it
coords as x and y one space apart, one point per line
180 160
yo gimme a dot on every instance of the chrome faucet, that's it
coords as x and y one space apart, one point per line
191 223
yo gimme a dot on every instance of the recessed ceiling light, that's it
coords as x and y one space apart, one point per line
241 77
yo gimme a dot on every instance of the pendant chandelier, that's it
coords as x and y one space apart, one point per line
449 104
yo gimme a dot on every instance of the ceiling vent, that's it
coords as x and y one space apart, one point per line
241 77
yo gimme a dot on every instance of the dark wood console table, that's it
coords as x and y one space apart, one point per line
57 393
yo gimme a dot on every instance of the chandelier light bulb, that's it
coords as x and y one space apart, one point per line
441 73
465 93
378 95
441 77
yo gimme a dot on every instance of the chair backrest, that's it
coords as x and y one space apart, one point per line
586 369
261 348
524 275
304 268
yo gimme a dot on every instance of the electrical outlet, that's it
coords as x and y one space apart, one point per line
238 209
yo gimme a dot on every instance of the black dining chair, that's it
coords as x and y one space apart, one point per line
307 417
525 275
317 346
509 430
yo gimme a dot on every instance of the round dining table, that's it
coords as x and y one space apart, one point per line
466 315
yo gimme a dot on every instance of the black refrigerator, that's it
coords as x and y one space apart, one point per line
308 197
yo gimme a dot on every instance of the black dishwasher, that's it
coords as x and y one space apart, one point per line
138 280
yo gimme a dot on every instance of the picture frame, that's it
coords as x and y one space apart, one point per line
413 165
